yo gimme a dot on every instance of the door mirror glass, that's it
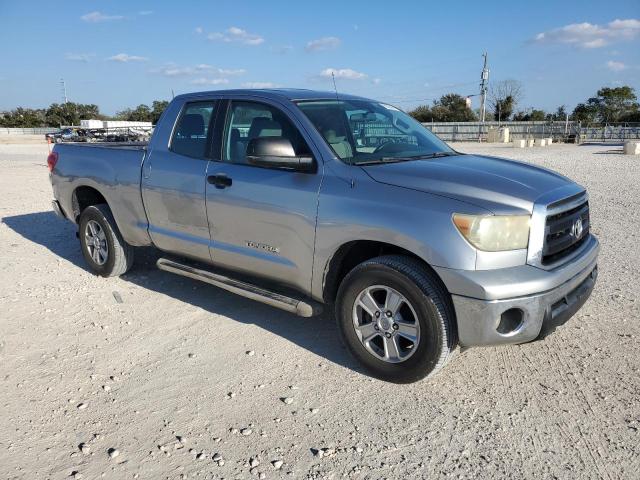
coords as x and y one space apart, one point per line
277 152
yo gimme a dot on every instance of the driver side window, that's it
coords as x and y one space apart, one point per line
250 120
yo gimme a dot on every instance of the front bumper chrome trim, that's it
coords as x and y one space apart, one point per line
478 320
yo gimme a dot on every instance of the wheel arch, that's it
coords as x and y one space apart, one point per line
85 196
353 253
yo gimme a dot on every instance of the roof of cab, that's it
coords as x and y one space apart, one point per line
288 93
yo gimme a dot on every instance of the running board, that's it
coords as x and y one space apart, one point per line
293 305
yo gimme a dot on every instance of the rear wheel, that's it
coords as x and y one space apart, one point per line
103 248
396 318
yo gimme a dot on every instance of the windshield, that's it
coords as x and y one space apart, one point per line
363 132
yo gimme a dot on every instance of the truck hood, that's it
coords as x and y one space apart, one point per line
496 184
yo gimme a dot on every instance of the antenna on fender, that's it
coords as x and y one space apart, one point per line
335 89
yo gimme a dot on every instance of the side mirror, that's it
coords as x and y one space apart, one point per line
277 152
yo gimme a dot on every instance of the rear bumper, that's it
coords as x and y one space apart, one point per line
533 314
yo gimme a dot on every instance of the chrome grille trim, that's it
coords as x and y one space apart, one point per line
552 203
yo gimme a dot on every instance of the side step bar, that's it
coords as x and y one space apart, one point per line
294 305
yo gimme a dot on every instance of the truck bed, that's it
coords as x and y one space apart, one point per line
112 169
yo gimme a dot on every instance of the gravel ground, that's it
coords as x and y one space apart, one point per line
156 376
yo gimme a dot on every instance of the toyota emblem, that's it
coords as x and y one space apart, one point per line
576 228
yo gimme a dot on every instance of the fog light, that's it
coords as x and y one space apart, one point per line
510 321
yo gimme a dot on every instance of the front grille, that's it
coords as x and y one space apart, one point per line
562 237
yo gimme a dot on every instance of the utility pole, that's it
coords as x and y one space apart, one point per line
484 79
63 88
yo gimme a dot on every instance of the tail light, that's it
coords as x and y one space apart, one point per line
52 159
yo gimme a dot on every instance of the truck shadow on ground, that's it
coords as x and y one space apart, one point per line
319 334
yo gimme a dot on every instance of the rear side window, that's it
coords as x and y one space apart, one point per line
191 132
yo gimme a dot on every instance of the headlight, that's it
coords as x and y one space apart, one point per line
494 233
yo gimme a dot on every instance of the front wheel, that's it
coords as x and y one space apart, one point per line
396 318
103 247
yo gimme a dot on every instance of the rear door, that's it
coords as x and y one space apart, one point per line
174 182
262 220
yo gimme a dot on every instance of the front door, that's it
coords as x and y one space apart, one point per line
262 220
173 184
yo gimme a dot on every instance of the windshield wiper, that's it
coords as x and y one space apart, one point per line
439 155
384 160
404 159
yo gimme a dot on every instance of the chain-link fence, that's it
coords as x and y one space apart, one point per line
560 131
27 131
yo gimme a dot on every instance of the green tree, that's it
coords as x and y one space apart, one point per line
23 118
585 113
157 108
532 116
449 108
631 117
503 108
560 114
504 97
71 113
142 113
613 104
422 113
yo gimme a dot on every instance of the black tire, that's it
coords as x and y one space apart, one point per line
428 297
119 258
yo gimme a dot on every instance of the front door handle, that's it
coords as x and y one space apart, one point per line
219 181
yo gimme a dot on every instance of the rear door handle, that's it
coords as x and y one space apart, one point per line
219 181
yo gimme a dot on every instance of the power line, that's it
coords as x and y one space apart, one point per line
400 99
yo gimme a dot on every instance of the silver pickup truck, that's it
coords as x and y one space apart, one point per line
300 198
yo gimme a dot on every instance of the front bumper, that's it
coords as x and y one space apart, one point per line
537 300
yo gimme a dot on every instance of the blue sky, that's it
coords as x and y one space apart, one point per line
119 54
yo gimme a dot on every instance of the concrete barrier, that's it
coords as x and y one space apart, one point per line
632 148
549 141
519 143
498 135
541 142
530 142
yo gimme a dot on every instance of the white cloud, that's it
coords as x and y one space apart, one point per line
126 58
236 35
346 73
231 71
324 43
96 17
199 30
588 35
616 66
79 57
144 13
376 81
283 49
259 85
209 81
173 70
